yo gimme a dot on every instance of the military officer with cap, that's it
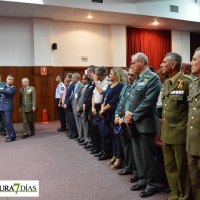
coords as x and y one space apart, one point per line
58 95
193 131
27 106
2 126
126 140
174 126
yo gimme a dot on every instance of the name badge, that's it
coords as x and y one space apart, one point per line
177 92
76 96
141 84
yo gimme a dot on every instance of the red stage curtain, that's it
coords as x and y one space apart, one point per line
194 43
154 43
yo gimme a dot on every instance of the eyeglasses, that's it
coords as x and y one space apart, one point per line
132 75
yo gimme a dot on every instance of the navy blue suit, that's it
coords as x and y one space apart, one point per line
6 108
69 114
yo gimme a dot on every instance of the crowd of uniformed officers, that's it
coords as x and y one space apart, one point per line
116 117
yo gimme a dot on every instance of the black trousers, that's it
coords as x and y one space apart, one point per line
61 115
95 132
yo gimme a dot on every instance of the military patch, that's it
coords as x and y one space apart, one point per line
62 88
180 84
177 92
141 84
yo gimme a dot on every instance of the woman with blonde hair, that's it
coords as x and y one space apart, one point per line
110 101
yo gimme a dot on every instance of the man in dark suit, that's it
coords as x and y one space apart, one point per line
142 113
87 104
6 107
73 133
74 100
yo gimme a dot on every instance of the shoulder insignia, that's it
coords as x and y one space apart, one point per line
189 77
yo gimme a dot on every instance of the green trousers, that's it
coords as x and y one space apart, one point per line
176 168
28 121
194 170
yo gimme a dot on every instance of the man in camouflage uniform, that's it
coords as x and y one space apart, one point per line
27 106
174 125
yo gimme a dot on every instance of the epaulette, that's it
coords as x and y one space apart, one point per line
189 77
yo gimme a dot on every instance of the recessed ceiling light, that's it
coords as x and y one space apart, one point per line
155 23
89 16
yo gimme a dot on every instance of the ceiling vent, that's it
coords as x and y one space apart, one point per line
97 1
173 8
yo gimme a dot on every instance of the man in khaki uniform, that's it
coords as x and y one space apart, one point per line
193 130
27 106
174 125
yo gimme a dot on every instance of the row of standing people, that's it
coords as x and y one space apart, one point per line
133 107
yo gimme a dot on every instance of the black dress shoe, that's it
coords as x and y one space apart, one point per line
90 149
105 156
134 179
84 143
94 152
137 187
73 137
147 193
81 141
10 140
61 129
32 134
124 172
25 136
98 154
88 146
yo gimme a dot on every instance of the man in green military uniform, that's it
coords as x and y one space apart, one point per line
2 126
27 106
193 131
126 140
174 125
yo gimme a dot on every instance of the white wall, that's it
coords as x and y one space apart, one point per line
28 43
181 44
75 40
118 45
16 42
42 42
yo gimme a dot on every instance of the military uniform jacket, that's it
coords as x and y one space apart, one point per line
175 110
142 102
193 130
120 110
7 95
27 99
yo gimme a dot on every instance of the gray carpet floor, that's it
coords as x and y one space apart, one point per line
64 169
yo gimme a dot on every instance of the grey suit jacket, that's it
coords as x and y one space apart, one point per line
142 102
81 100
75 97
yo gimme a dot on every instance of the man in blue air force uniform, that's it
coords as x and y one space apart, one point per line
2 125
6 107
